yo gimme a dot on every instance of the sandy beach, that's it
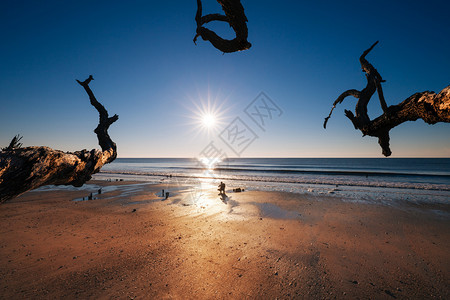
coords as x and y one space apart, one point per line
130 244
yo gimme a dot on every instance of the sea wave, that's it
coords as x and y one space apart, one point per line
312 170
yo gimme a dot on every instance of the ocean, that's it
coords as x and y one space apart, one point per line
379 180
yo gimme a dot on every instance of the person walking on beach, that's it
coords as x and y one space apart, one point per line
222 188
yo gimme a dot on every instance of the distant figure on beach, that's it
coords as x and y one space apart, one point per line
221 188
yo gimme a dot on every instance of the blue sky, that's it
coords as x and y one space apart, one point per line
149 72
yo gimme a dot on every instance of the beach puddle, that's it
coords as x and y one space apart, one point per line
441 214
141 202
269 210
98 192
85 187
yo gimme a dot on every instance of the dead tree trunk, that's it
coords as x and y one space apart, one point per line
24 169
428 106
234 16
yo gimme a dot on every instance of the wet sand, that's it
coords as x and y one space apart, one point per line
128 244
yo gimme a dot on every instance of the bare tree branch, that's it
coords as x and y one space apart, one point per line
235 16
15 143
354 93
24 169
428 106
105 121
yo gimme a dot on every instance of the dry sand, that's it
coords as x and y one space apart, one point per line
265 245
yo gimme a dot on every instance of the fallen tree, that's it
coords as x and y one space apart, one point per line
428 106
234 16
24 169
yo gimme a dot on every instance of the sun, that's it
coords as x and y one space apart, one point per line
209 120
207 113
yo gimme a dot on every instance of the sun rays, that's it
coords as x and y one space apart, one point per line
207 115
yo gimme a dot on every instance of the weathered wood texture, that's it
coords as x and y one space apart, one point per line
24 169
428 106
234 16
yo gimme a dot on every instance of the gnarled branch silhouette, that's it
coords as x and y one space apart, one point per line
24 169
234 16
428 106
15 143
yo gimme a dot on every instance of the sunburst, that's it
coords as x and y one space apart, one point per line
208 115
209 120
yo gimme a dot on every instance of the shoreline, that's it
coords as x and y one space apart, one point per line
254 244
151 177
390 196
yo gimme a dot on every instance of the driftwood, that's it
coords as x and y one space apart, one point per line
428 106
234 16
24 169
